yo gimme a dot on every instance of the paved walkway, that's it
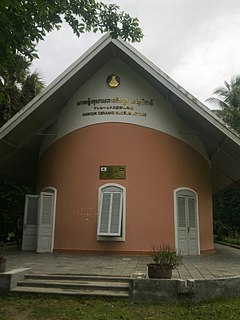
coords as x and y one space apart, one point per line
225 262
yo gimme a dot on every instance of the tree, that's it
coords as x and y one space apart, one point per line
226 206
228 99
12 198
18 86
25 22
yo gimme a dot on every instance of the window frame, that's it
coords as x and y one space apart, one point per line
122 218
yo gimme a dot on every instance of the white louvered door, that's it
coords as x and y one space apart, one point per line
182 226
45 222
192 227
30 223
187 223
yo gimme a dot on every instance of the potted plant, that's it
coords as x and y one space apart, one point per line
2 259
165 260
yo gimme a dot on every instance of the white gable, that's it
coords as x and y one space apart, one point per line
135 101
22 136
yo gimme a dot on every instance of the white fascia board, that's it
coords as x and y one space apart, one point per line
179 91
54 86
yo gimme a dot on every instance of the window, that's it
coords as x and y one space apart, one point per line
111 212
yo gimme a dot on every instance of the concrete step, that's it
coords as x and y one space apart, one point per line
74 284
85 292
76 277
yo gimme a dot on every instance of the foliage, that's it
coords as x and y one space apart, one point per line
24 23
226 208
220 229
231 116
164 256
12 199
56 308
235 241
229 95
228 99
18 86
2 250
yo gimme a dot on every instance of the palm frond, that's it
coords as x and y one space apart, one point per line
217 102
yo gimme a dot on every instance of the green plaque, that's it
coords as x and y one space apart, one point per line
112 172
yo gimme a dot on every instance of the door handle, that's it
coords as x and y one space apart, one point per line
188 229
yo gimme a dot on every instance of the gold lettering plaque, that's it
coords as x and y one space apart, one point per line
112 172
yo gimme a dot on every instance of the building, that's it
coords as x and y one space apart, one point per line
122 157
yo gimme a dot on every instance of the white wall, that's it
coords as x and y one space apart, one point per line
156 113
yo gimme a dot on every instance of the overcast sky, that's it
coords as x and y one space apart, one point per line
196 42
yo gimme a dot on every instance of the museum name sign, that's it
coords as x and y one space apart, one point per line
114 106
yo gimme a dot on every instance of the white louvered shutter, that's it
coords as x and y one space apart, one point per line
32 210
181 212
105 206
115 217
47 205
30 223
45 222
110 215
192 212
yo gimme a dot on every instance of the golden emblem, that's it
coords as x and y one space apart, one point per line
113 81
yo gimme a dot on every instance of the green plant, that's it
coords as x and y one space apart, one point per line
235 241
165 257
12 199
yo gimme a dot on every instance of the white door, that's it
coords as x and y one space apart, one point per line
46 222
30 223
187 223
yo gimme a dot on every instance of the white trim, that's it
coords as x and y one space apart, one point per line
176 217
123 235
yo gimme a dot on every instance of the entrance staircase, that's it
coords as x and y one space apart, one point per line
83 285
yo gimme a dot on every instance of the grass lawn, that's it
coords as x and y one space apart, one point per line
24 307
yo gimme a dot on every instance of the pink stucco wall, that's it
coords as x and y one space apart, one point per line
156 163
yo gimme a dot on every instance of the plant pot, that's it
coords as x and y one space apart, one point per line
159 272
2 265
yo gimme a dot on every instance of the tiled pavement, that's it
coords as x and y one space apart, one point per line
225 262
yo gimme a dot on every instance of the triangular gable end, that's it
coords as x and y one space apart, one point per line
21 136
